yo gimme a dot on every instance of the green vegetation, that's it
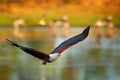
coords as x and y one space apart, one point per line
75 20
5 20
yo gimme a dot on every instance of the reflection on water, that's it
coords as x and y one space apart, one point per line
87 60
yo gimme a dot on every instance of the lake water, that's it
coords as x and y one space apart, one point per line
95 58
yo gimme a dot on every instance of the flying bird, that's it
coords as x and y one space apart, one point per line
47 58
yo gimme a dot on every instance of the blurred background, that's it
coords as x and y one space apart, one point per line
44 24
80 12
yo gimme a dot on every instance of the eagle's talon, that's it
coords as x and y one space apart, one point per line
44 62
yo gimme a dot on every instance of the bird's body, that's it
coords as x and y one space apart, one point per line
57 51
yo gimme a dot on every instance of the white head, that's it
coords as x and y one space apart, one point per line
53 57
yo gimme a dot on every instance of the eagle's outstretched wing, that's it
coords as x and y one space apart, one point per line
71 41
31 51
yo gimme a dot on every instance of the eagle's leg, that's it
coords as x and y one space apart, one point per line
45 61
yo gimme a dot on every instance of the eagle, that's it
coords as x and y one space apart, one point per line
55 54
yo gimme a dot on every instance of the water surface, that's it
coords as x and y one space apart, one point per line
96 58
